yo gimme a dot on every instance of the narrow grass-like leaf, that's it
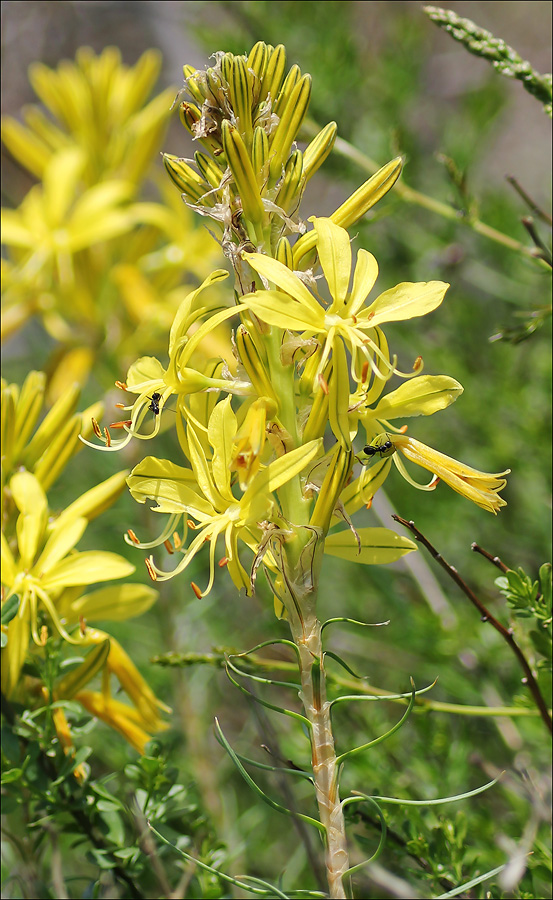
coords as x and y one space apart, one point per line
383 831
284 769
383 737
344 664
399 802
223 741
242 884
261 679
469 884
381 696
353 622
267 644
280 709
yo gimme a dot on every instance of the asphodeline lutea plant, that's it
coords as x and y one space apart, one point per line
270 448
45 609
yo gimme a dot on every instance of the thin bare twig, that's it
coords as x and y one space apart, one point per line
486 615
533 207
542 250
493 559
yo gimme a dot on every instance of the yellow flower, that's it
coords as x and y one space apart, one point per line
97 104
480 487
42 564
346 322
155 385
124 719
424 395
203 494
55 441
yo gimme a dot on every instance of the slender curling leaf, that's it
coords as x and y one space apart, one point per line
272 803
242 884
383 832
383 737
399 802
353 622
469 884
381 696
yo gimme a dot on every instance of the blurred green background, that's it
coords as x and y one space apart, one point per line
394 83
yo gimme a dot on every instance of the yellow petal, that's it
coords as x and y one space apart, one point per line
31 501
171 486
281 275
405 301
88 567
115 603
334 251
97 499
64 536
364 277
420 396
284 311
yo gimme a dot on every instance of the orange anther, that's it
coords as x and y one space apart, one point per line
132 536
196 590
223 562
168 546
121 385
151 570
323 383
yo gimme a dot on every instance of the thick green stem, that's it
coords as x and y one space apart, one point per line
307 637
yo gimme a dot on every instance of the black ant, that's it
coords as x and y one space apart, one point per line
154 405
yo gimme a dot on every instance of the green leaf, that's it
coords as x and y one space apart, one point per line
9 609
377 546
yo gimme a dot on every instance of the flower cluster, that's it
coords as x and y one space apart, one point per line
270 445
101 268
44 577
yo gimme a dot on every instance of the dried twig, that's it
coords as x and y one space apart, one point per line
486 615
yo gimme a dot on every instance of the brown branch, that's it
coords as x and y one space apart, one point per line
493 559
486 615
542 250
533 207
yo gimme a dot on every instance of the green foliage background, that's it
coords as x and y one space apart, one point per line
382 105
